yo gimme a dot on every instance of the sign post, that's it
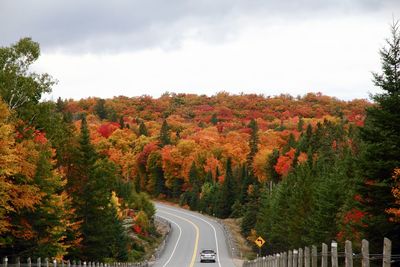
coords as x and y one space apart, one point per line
259 242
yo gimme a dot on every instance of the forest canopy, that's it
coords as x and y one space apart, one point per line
76 176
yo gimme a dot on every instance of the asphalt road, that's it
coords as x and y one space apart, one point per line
191 232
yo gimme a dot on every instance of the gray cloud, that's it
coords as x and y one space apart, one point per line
104 26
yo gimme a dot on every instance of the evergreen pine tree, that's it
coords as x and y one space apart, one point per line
102 231
112 115
253 145
193 198
88 155
100 109
214 119
103 234
165 137
81 159
143 129
121 122
209 177
381 135
177 188
244 182
227 193
273 176
156 174
251 210
300 125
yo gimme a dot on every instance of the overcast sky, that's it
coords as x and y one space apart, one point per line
107 48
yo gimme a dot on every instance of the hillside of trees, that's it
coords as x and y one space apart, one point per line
297 170
60 197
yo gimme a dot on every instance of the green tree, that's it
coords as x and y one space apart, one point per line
52 217
112 115
121 122
156 174
21 88
100 109
79 172
177 188
273 176
103 233
143 129
227 193
195 183
253 145
381 136
58 131
85 157
244 181
214 119
300 125
165 137
251 210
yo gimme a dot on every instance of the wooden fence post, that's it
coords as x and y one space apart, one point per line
314 256
301 257
334 254
46 260
18 262
279 260
324 260
39 262
307 261
29 262
365 253
290 259
285 259
295 257
387 252
5 261
349 254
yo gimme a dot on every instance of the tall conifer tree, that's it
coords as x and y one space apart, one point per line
143 129
381 135
165 137
253 145
227 194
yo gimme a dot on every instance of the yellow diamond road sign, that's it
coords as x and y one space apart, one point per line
259 241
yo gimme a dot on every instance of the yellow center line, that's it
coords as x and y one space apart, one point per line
197 236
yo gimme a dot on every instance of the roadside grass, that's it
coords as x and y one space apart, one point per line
241 242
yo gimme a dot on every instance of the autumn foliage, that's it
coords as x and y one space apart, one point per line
289 167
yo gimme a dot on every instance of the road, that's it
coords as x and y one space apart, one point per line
191 232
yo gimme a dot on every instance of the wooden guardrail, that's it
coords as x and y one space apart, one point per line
312 258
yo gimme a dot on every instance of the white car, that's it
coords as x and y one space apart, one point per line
208 255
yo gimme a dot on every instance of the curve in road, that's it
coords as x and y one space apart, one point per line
191 232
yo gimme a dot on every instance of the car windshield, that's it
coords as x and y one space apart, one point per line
208 251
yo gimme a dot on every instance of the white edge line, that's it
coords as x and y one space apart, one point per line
177 241
215 232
